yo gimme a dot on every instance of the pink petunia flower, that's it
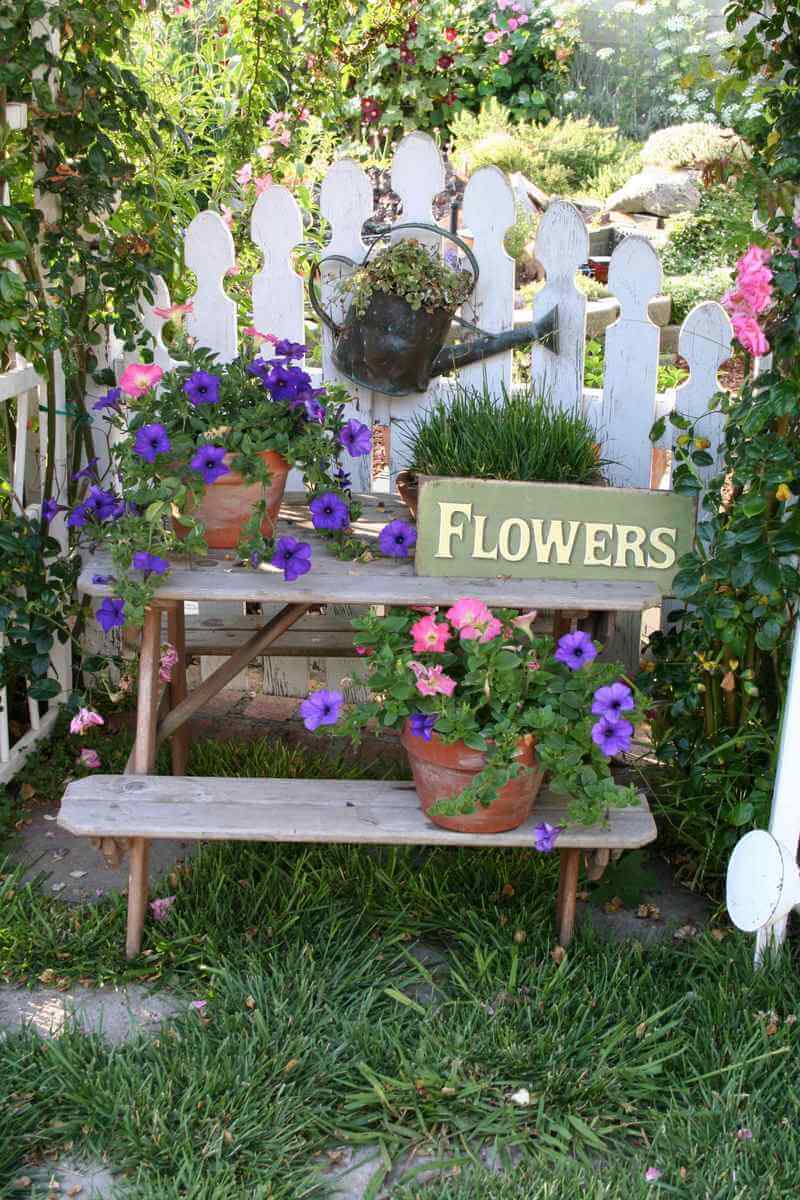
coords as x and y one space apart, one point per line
652 1174
468 613
138 378
161 908
234 270
169 658
491 630
90 758
84 719
522 19
303 114
199 1004
512 23
227 216
174 310
275 119
285 138
262 182
744 1135
265 151
491 37
244 174
434 682
428 635
503 57
525 621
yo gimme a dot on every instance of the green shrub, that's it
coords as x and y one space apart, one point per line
668 376
688 290
511 436
694 144
521 232
612 175
560 157
714 236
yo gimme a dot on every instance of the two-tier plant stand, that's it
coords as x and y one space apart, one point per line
139 806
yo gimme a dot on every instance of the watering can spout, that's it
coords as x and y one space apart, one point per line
544 331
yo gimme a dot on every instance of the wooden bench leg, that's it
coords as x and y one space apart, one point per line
137 895
567 895
144 757
176 627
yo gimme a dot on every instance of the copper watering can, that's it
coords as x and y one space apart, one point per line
397 350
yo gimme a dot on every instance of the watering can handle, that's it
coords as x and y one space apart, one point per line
313 295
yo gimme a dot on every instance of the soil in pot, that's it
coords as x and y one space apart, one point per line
442 770
228 502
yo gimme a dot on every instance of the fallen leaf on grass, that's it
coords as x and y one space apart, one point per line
719 934
648 912
24 1181
507 890
558 954
522 1098
291 1064
685 931
250 1002
583 897
449 1091
682 1172
227 1137
641 1030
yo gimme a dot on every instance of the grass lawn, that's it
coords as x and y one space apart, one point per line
322 1028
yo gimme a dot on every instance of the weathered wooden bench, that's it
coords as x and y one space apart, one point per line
101 807
309 810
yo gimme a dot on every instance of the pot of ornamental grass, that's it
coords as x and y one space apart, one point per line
486 708
200 457
514 435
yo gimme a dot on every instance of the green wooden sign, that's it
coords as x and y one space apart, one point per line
480 528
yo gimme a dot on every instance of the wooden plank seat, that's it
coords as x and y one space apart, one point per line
344 811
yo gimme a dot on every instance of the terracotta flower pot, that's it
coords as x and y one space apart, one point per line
442 770
408 488
228 502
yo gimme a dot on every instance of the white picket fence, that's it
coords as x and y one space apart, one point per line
29 390
623 411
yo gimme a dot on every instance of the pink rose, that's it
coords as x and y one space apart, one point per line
491 37
503 57
748 331
138 378
522 19
512 23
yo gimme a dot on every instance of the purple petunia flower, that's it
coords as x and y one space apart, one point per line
329 511
575 650
314 410
356 439
102 579
78 517
545 836
284 382
321 708
613 700
286 349
103 505
397 539
613 737
208 461
150 441
89 471
293 557
343 479
422 725
151 564
112 400
202 388
111 613
259 367
50 509
255 560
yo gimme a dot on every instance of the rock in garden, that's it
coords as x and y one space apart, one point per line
655 191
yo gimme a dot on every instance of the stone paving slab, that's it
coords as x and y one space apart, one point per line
116 1013
84 1181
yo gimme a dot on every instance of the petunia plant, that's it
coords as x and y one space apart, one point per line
482 677
171 436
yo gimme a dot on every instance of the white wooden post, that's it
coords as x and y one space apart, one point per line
489 212
210 253
562 245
